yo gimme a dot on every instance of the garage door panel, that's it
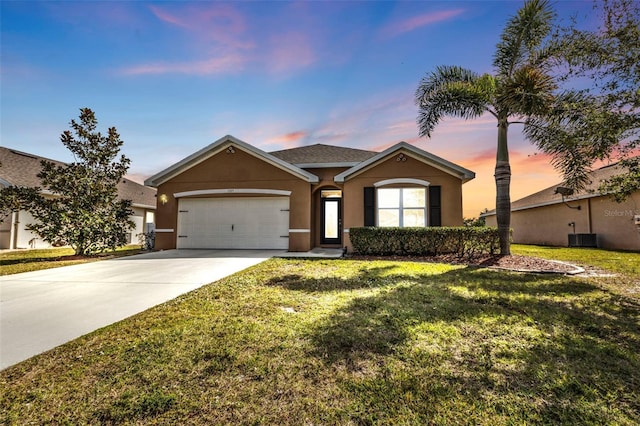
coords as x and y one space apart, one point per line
236 223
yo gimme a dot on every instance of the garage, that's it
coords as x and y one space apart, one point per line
233 223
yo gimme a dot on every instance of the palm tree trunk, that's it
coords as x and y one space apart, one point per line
503 183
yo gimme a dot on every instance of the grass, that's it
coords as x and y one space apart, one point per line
621 262
17 261
296 342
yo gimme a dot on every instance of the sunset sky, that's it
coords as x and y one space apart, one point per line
173 77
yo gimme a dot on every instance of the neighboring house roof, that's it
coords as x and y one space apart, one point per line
419 154
140 195
320 156
19 168
218 146
548 196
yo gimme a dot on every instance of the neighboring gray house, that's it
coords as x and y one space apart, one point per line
21 169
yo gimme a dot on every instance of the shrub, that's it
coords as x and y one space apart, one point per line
430 241
147 240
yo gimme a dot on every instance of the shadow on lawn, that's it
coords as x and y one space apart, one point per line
553 339
69 257
15 261
367 278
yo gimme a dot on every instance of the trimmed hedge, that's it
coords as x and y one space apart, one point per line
430 241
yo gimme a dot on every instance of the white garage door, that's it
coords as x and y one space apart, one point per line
233 223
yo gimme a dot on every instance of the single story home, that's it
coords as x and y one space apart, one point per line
587 218
233 195
21 169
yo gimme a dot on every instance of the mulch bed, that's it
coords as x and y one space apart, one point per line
512 262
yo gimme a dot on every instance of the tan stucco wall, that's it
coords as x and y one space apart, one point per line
238 170
243 170
614 222
548 225
326 176
353 195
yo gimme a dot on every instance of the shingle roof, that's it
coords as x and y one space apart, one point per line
323 154
21 169
138 194
548 195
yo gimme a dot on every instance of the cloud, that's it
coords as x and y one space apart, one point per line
372 123
382 147
530 160
287 140
289 52
214 66
216 34
330 137
521 160
481 158
167 17
368 122
216 22
530 173
219 38
356 125
400 27
21 71
460 126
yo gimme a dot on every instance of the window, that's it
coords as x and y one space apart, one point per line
402 207
331 193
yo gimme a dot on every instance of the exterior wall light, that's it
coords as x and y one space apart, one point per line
163 199
401 157
230 150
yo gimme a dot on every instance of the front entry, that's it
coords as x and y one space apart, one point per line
331 219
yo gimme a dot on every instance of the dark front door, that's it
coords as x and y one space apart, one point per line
331 224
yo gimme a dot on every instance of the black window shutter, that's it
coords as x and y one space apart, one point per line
369 206
435 218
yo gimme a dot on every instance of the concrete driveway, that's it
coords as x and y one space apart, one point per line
43 309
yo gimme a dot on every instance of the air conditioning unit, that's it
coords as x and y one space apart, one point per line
583 240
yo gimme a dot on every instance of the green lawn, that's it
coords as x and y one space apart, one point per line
622 262
15 262
296 342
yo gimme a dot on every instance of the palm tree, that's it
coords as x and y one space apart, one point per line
520 87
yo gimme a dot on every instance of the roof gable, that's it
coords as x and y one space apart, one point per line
426 157
319 156
226 142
